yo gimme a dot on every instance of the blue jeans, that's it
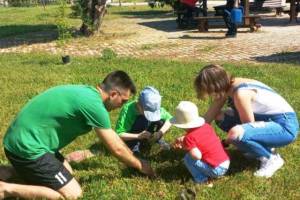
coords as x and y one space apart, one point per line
201 171
266 132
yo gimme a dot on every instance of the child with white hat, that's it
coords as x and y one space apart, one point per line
205 157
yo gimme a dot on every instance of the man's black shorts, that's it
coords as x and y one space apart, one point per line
47 170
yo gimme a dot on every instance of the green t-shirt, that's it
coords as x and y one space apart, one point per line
129 114
54 118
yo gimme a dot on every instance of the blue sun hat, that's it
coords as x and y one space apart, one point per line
150 101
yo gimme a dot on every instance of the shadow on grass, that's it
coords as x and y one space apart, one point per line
162 25
15 35
168 165
239 163
284 57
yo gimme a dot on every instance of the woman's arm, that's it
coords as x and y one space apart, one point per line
242 102
214 109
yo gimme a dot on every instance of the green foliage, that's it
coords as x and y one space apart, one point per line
161 3
21 3
81 9
64 33
108 54
22 76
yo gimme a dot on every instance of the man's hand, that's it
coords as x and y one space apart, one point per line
146 169
144 135
178 144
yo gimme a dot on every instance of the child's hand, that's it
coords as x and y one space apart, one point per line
225 143
178 144
144 135
156 136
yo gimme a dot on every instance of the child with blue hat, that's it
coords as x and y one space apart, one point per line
144 119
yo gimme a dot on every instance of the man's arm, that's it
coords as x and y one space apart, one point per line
119 149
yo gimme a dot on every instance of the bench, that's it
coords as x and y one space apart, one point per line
203 24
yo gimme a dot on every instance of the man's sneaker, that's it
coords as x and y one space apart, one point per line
269 166
164 145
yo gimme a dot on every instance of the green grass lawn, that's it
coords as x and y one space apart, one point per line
23 76
22 22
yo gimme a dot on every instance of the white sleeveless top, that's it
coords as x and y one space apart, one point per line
266 101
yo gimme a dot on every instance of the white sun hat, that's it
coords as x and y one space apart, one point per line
186 116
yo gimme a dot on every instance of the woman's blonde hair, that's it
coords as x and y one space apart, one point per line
212 79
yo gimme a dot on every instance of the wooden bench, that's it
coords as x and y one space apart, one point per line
203 24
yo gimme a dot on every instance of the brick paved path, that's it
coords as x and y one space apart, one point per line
152 38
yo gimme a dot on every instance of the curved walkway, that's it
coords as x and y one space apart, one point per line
153 38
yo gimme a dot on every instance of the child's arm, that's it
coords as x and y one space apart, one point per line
132 136
157 135
195 153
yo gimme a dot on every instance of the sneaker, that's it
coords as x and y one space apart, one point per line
136 148
269 166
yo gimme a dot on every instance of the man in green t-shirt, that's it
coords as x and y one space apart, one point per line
52 120
139 121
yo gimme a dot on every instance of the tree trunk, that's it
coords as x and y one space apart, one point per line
100 10
96 10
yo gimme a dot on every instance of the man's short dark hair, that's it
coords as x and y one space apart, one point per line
118 79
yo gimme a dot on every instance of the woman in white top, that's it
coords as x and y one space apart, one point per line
257 119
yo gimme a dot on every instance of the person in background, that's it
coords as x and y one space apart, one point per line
186 8
232 26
